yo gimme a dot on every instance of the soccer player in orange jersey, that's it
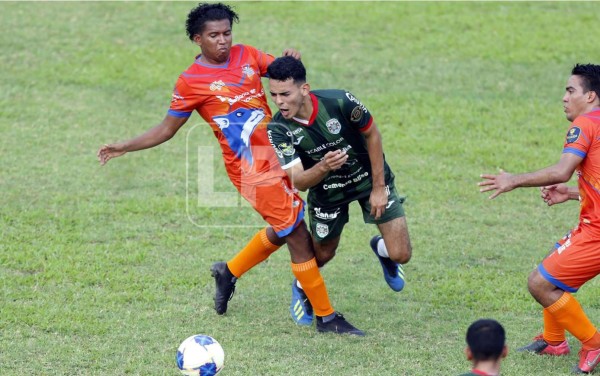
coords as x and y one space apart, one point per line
576 258
224 86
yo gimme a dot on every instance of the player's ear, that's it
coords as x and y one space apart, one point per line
592 96
198 40
504 351
305 88
468 353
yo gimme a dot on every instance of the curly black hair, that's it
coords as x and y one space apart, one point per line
205 12
286 67
590 73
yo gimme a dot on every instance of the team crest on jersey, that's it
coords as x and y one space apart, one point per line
322 230
286 148
356 114
334 126
573 135
217 85
247 70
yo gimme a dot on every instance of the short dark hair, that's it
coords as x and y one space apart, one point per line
590 74
205 12
486 339
286 67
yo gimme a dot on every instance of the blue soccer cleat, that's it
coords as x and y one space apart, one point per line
392 272
300 309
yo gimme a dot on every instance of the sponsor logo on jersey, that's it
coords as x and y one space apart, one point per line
294 132
322 215
237 127
325 146
286 149
356 114
175 98
334 126
322 230
353 99
244 97
573 135
298 140
217 85
247 70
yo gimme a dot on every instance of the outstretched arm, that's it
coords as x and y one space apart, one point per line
154 136
505 182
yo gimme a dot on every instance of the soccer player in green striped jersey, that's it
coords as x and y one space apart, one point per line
329 144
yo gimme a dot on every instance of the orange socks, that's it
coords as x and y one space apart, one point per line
554 333
568 313
314 286
258 249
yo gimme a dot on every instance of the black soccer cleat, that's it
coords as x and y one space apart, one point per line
225 285
338 325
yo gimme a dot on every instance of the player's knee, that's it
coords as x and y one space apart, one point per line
403 255
535 284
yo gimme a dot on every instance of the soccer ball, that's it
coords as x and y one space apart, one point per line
200 355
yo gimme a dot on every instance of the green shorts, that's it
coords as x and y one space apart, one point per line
328 222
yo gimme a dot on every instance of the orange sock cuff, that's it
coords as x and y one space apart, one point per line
563 301
266 242
305 266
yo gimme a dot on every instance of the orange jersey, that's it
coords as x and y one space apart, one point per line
231 99
583 139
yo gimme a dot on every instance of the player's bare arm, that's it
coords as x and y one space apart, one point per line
555 174
378 198
153 137
304 179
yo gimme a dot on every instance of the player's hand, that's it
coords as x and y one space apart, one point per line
555 194
333 160
378 201
499 183
292 52
107 152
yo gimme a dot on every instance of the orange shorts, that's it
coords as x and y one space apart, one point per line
276 201
575 260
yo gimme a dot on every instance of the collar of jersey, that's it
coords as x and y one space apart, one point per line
313 116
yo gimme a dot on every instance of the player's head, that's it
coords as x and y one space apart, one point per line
582 91
288 87
209 26
485 340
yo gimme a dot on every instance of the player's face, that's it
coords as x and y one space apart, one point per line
576 100
290 98
215 41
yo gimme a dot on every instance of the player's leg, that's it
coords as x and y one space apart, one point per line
258 249
306 271
393 247
575 261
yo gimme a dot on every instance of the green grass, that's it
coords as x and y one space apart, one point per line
104 271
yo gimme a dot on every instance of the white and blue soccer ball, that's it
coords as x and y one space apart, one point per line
200 355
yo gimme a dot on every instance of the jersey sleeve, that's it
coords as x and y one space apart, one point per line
579 137
263 60
283 145
183 100
356 112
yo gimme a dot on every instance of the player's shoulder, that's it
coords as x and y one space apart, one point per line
329 93
587 122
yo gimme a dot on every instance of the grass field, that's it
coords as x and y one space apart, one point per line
105 270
